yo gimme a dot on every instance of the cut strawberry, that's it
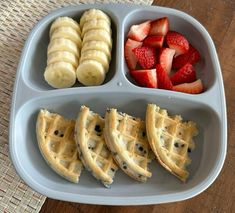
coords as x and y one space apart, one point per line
130 57
146 56
192 57
177 42
186 74
163 79
191 88
159 27
145 78
165 58
139 32
154 41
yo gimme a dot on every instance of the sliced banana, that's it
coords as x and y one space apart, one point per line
96 45
97 56
60 75
90 73
65 22
96 24
98 35
62 56
63 44
68 33
93 14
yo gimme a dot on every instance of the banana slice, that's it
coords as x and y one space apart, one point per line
65 22
60 75
62 56
63 44
68 33
97 56
96 24
93 14
98 35
96 45
90 73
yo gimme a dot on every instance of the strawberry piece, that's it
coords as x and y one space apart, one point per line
192 57
165 58
145 78
163 79
154 41
186 74
177 42
139 32
159 27
130 57
146 56
195 87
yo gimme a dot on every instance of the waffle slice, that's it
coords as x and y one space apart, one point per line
55 136
171 140
92 148
127 140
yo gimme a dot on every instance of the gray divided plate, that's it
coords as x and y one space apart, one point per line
32 93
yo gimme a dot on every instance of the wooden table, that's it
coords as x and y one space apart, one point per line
219 19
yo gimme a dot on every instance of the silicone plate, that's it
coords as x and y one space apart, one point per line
208 110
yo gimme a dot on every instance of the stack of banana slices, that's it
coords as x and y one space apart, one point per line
96 47
63 53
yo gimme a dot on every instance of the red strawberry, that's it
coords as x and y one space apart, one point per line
139 32
131 60
165 58
159 27
146 56
163 79
177 42
186 74
192 57
191 88
145 78
154 41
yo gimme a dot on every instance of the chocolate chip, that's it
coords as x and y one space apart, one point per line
139 176
97 128
62 135
143 134
133 119
189 150
145 152
124 167
56 132
176 145
182 145
141 148
112 169
180 133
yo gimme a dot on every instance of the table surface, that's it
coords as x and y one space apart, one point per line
218 17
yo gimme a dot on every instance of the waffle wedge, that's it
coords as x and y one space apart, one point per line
55 135
171 140
126 138
92 148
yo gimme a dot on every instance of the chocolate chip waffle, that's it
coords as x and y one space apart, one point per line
92 148
171 140
55 135
126 138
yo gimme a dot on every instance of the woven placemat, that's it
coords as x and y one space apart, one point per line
17 18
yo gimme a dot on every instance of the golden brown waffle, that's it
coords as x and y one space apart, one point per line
127 140
92 148
171 140
55 136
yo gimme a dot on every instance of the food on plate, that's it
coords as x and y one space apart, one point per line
92 148
55 136
63 53
90 73
96 47
126 138
152 46
171 140
60 74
